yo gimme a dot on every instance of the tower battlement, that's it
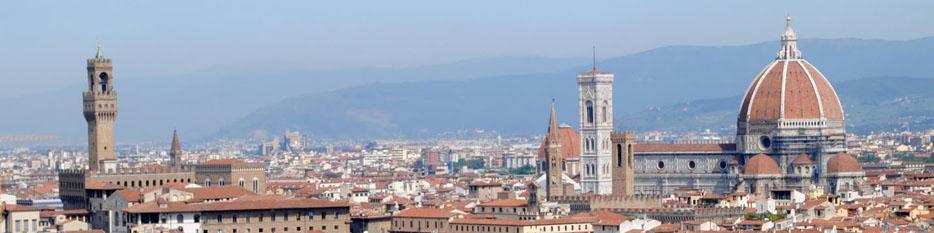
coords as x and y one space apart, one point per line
98 61
99 95
623 136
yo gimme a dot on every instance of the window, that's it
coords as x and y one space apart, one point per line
234 218
179 218
197 218
255 185
589 112
242 183
219 219
692 165
619 155
105 80
605 113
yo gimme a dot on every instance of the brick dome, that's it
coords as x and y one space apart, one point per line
570 143
790 88
761 164
842 163
802 160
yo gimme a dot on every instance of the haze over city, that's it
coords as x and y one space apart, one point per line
457 117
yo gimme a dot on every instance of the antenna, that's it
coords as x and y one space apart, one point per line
595 58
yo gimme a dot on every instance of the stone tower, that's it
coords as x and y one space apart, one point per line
596 125
554 158
624 163
100 111
176 152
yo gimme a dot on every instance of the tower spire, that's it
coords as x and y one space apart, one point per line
176 151
789 38
100 52
553 124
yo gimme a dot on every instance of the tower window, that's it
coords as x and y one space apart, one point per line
606 114
105 80
619 155
589 112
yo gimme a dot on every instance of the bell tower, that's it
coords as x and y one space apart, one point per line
100 112
555 173
595 95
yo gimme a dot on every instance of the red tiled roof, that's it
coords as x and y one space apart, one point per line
18 208
102 186
504 222
223 161
425 213
842 162
761 164
570 143
803 159
256 203
505 203
790 90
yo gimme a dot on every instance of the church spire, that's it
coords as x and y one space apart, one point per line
789 42
176 151
553 125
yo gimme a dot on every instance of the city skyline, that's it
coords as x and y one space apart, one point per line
789 135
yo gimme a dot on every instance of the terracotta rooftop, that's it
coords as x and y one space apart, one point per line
842 162
790 89
761 164
803 159
258 203
425 213
102 186
223 161
605 218
18 208
505 203
503 222
570 143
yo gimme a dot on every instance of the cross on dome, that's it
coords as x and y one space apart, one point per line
789 48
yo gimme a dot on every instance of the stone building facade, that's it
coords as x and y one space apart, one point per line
79 188
790 135
595 101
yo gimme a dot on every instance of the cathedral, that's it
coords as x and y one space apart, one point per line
790 136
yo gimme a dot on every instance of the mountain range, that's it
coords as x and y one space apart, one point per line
510 95
652 90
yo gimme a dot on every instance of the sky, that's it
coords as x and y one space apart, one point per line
43 44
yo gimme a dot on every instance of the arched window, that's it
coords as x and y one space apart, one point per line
207 182
631 154
104 81
605 113
242 183
220 182
179 218
589 111
255 185
619 155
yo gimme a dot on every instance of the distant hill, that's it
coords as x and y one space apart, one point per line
200 103
871 105
654 80
506 94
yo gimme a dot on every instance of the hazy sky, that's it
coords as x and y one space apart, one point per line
43 44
